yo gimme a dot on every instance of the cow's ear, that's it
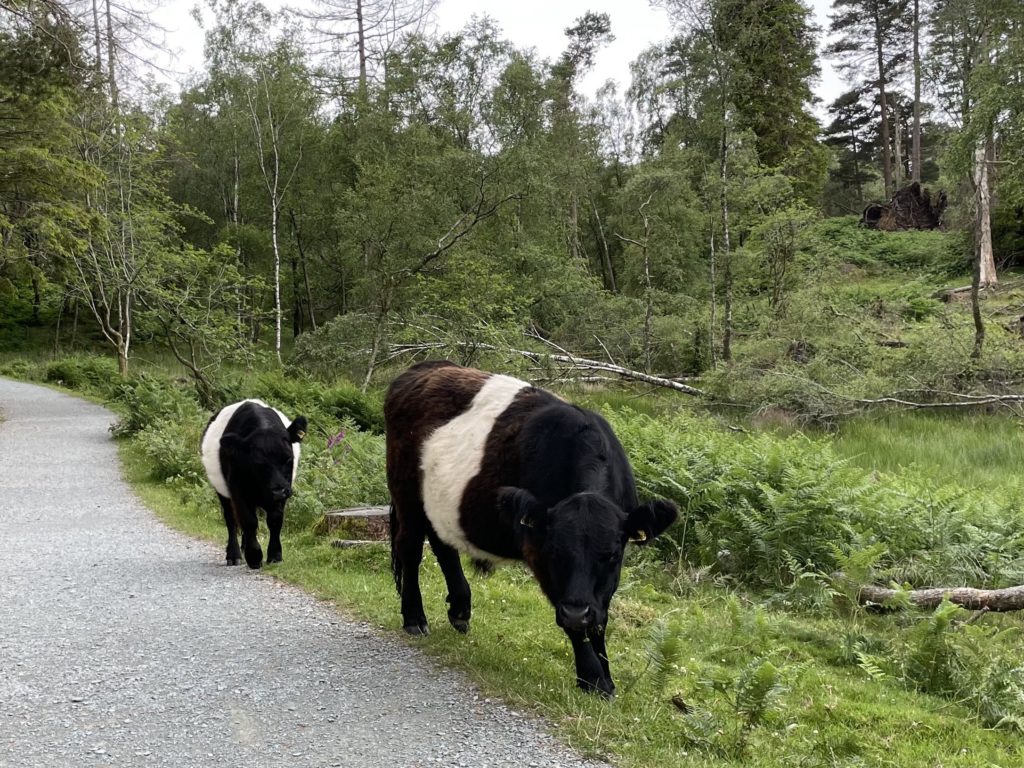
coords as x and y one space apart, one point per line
520 507
297 429
649 520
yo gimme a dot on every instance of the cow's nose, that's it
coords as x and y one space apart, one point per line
281 494
573 616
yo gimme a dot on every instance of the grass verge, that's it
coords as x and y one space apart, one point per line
711 677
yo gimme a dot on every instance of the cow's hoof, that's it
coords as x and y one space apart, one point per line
459 620
233 561
254 558
602 687
417 629
274 559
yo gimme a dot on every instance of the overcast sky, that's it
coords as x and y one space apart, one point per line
539 24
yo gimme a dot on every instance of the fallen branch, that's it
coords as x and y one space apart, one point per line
581 363
962 401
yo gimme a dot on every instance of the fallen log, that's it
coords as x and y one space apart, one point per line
999 600
963 293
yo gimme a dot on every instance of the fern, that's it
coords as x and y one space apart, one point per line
664 651
757 688
933 662
871 665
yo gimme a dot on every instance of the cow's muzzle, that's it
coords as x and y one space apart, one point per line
281 494
574 617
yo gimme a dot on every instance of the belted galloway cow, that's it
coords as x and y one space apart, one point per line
251 455
491 466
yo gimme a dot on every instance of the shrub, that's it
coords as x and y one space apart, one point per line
345 401
173 447
98 375
346 471
19 368
148 400
842 239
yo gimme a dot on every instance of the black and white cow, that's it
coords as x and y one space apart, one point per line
251 455
488 465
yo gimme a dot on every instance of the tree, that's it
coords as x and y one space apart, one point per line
368 30
772 52
850 135
872 40
45 83
191 304
975 64
278 106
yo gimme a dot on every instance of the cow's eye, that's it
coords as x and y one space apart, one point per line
613 558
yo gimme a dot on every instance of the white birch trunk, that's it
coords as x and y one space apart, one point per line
983 217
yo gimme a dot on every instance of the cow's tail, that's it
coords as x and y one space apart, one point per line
396 562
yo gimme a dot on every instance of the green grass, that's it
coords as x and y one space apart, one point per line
828 711
973 450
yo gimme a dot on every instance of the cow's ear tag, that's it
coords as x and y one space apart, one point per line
526 522
640 537
302 435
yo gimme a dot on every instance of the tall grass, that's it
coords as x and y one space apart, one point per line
984 451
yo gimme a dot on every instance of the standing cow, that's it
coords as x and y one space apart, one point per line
251 454
491 466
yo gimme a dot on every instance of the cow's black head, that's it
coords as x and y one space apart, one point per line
575 548
264 461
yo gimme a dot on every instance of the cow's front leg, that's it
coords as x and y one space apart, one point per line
597 640
275 519
591 674
249 523
459 596
233 555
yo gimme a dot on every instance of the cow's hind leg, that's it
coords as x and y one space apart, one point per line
249 523
406 554
275 519
233 554
459 598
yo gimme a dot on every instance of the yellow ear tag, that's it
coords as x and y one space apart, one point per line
302 435
641 536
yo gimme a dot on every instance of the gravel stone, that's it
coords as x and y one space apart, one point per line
123 643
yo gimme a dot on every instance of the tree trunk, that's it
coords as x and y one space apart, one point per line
915 149
883 102
983 214
606 258
979 323
361 45
111 74
897 143
275 215
296 301
122 359
574 227
726 256
714 298
1009 599
97 38
305 270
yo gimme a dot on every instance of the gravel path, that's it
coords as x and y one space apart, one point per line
124 643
